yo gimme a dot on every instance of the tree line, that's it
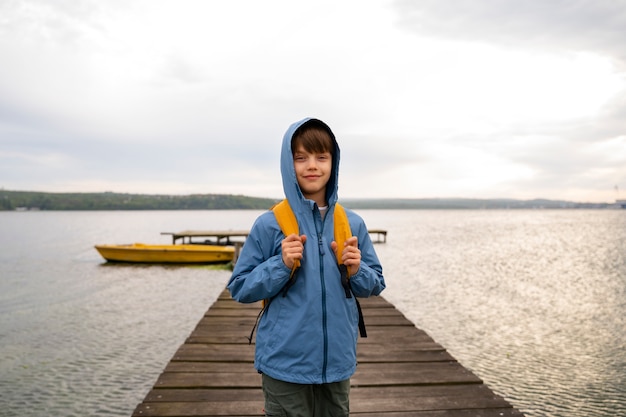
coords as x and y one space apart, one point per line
30 200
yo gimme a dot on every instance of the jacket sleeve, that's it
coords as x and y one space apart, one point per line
369 278
259 272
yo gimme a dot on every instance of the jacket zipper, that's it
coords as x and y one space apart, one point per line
322 252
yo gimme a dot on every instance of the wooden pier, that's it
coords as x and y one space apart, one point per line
379 234
223 237
214 237
402 372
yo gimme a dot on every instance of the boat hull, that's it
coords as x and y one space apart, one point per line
170 254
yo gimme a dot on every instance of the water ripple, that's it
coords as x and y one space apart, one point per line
533 302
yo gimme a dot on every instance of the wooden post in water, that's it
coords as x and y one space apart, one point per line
238 246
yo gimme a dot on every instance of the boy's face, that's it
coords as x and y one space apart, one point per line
313 172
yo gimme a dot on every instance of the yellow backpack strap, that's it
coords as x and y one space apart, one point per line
287 222
342 230
343 233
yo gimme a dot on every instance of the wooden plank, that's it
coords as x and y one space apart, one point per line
200 409
402 372
243 408
412 373
357 393
215 353
239 333
464 395
204 395
429 373
208 380
255 408
207 367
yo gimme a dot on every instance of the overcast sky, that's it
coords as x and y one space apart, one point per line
428 98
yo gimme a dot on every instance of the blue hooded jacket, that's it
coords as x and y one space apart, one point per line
309 335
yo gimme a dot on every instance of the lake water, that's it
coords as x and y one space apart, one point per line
533 302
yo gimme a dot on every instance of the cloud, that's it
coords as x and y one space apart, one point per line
428 99
593 26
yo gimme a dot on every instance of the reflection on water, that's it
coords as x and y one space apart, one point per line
532 301
101 350
79 336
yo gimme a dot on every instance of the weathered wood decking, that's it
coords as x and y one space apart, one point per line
402 372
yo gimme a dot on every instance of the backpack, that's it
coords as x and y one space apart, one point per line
288 224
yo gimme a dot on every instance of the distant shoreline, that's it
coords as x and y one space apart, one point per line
44 201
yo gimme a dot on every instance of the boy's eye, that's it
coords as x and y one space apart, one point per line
304 157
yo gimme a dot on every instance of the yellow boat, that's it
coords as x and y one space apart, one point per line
171 254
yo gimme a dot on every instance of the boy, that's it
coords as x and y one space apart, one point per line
306 338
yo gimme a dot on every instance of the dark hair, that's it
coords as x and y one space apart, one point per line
313 138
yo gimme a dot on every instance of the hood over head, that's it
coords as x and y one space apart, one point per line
290 182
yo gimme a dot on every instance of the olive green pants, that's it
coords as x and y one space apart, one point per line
285 399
